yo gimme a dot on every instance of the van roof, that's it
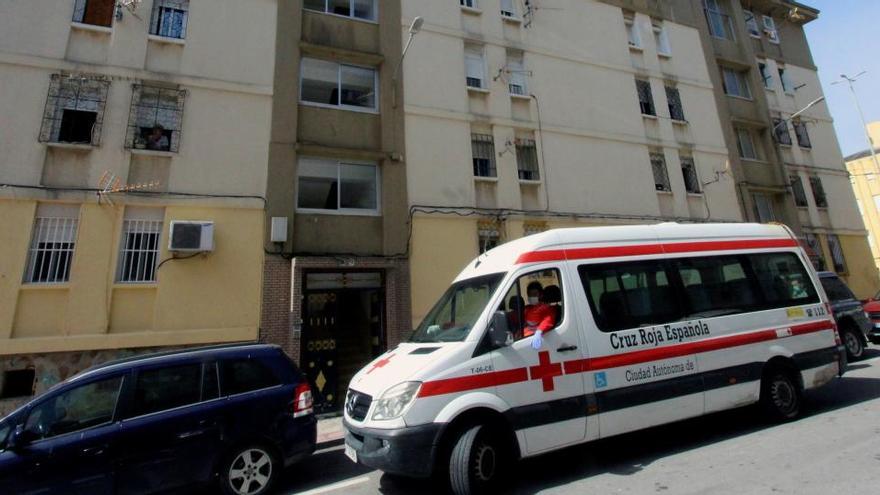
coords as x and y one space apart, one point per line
558 243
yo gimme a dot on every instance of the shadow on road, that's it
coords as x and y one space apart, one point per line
321 469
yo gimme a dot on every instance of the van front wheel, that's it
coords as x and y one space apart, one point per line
477 462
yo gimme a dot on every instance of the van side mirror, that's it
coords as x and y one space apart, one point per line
499 332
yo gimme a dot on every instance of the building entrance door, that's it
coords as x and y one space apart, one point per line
343 330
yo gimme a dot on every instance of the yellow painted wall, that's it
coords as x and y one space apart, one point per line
206 299
862 276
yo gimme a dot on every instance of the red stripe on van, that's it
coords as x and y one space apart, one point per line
497 378
652 249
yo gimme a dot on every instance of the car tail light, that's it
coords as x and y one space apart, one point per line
303 401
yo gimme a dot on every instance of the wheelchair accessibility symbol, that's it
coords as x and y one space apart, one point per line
600 379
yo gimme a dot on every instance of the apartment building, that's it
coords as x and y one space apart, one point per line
864 169
135 142
786 169
527 116
336 277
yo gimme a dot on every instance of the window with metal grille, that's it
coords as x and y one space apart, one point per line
720 24
52 244
836 253
74 111
803 138
154 122
689 172
139 245
815 252
797 188
483 149
646 99
780 132
527 159
673 98
661 176
475 67
169 18
489 237
94 12
818 192
735 83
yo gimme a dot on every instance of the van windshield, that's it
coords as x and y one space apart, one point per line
455 313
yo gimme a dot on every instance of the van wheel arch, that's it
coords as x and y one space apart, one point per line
785 367
465 421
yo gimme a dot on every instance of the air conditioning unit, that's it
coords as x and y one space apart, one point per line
191 236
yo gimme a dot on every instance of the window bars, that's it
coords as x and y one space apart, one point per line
781 133
488 235
817 257
483 149
797 189
676 110
139 251
646 99
74 111
803 138
818 192
51 251
169 18
527 159
154 121
689 172
836 253
661 176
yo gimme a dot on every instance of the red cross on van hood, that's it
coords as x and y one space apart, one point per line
402 364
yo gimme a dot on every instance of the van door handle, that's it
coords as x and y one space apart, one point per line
567 349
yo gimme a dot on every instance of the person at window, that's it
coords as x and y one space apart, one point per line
798 291
157 140
540 317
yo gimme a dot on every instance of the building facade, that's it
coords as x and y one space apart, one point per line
521 118
115 122
864 170
336 276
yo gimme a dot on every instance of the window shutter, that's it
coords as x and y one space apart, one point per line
474 67
99 12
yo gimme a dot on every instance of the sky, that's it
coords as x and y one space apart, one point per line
846 40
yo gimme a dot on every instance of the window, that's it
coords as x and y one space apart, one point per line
646 99
18 383
488 236
167 388
689 172
787 84
815 251
716 286
472 4
661 39
337 186
803 138
238 376
770 29
836 289
85 406
508 9
745 144
720 24
797 188
74 110
673 99
139 245
658 167
330 83
764 208
94 12
818 192
517 74
483 151
475 68
836 253
527 159
783 280
780 131
735 83
358 9
169 18
630 295
524 316
632 31
155 119
752 24
52 244
456 312
765 75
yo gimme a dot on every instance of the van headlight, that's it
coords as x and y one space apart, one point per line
395 401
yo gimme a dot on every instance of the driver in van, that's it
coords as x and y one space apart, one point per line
540 317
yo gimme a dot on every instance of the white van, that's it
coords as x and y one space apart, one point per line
650 324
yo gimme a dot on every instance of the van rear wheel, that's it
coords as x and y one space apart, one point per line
780 395
477 462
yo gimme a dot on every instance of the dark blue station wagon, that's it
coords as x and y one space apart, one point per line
231 415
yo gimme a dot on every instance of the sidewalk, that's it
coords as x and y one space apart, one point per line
330 430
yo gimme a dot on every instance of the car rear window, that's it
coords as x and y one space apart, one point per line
836 289
238 376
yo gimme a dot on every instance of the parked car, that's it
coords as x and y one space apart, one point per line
852 320
232 415
872 307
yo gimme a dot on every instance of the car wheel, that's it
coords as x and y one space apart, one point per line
477 462
780 395
855 346
249 470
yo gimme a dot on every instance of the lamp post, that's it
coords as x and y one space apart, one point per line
414 29
799 112
850 81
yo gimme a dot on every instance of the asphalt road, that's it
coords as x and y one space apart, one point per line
834 448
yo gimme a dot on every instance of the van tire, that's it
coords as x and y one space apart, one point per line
255 464
477 462
781 396
855 346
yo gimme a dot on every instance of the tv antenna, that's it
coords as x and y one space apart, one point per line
530 8
110 183
130 5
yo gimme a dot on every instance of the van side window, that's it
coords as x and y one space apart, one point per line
715 286
86 406
166 388
629 295
783 280
238 376
548 307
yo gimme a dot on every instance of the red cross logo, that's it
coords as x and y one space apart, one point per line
545 371
380 364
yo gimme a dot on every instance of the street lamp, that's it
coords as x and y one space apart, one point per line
414 29
850 81
799 112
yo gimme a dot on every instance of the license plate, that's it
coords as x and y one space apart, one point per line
350 453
